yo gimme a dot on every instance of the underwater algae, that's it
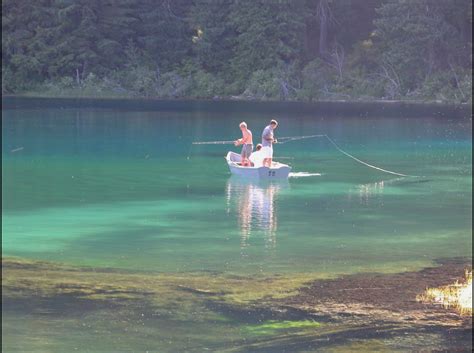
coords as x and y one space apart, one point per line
297 313
155 311
26 281
44 277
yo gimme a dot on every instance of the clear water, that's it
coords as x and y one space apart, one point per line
127 189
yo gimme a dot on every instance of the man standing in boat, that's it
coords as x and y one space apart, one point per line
247 144
267 143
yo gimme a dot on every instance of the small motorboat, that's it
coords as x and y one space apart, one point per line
277 170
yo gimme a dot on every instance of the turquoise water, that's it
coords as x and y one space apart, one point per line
126 189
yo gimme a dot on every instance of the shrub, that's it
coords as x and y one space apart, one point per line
317 80
263 84
453 85
282 82
206 85
173 85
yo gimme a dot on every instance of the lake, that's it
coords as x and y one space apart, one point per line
110 189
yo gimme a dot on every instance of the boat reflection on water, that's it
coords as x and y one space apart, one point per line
254 203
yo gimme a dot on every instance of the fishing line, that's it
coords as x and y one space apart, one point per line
365 163
294 138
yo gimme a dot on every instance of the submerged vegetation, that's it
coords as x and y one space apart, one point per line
301 50
273 326
259 314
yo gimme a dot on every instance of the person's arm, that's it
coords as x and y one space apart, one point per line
268 136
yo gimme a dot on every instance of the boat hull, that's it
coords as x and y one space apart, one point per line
277 171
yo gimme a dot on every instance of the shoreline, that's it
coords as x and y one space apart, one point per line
239 99
356 108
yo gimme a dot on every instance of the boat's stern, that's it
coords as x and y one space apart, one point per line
277 170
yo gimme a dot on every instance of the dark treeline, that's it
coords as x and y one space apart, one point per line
255 49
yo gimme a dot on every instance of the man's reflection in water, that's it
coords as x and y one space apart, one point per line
254 203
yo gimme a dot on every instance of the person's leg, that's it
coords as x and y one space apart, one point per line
242 156
266 154
248 152
270 157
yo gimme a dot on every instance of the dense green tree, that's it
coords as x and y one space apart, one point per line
164 33
263 49
28 39
416 38
269 34
214 38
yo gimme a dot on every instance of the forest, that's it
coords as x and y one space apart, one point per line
294 50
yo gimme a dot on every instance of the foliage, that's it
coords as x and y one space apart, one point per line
258 49
417 39
205 84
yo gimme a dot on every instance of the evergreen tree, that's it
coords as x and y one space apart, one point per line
214 38
28 41
164 33
415 39
269 34
268 49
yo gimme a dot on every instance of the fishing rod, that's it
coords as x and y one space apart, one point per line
285 140
213 143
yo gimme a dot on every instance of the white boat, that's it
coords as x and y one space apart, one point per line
277 170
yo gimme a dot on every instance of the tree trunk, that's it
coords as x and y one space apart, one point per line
323 35
323 13
83 70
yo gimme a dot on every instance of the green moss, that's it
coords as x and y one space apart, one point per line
24 279
271 327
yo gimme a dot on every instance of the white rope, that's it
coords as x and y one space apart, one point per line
288 139
365 163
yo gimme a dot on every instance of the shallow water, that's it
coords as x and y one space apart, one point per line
127 189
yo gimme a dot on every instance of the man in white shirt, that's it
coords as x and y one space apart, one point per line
267 143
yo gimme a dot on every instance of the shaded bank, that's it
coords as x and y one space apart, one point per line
228 313
329 108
